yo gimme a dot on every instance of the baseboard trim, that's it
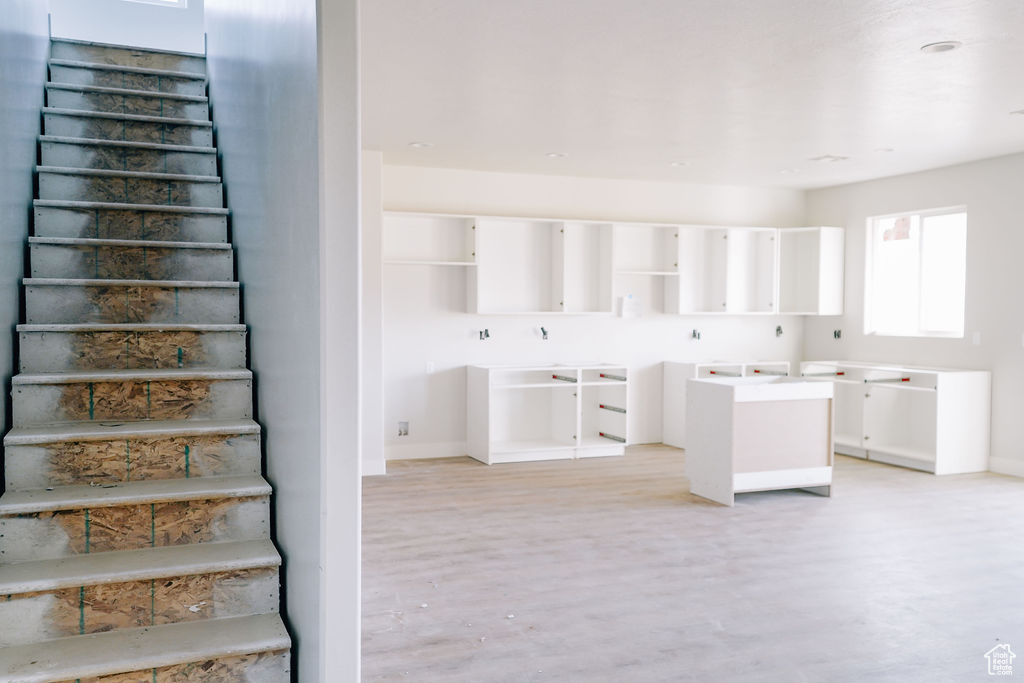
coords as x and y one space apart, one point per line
425 451
1011 466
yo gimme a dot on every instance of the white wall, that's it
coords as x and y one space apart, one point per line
264 92
125 22
24 47
991 191
424 307
339 296
372 402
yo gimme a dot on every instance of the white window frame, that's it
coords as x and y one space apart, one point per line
869 253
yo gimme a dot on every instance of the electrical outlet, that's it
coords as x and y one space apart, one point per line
430 367
403 428
976 338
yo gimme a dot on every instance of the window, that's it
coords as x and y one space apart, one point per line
916 274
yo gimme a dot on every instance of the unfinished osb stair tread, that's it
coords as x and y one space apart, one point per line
96 463
260 667
102 431
120 116
127 206
98 142
129 375
127 650
118 566
84 282
132 493
102 66
133 327
151 244
125 91
139 175
95 608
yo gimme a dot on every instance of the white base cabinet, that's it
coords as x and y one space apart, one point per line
548 412
931 419
676 375
758 434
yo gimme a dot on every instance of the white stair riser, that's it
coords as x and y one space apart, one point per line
38 466
66 351
116 158
109 78
87 609
130 223
131 263
146 105
104 54
40 404
72 126
119 304
73 532
130 190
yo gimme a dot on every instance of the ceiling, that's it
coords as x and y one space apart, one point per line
733 91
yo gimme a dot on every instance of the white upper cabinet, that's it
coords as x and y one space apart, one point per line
531 266
811 271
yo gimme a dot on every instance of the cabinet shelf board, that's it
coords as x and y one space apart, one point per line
530 445
412 262
603 383
900 451
902 386
537 385
664 273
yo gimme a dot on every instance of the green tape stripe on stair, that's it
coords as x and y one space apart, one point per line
127 460
188 464
92 404
81 610
88 531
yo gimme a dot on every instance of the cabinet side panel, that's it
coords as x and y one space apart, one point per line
709 452
963 422
831 275
673 422
477 413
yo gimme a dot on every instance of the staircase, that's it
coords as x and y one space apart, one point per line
135 527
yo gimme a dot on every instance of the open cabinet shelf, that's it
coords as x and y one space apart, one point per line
513 416
535 266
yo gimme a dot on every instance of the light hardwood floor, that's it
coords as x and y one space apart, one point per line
609 570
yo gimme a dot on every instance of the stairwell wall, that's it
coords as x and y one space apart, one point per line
262 64
24 47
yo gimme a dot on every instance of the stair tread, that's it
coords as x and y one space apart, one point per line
104 90
146 175
121 566
121 375
132 493
99 142
110 429
142 648
125 206
180 284
132 327
133 48
152 244
103 66
59 111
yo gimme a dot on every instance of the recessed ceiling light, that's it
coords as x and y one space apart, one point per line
829 158
941 46
421 145
556 155
677 164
